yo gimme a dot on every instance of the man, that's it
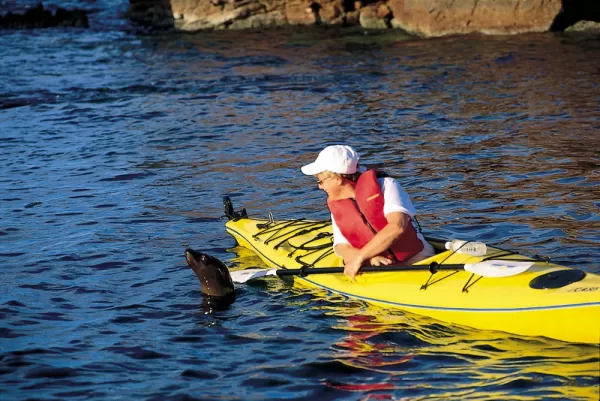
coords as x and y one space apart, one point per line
371 213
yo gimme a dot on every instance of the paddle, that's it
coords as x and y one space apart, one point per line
488 268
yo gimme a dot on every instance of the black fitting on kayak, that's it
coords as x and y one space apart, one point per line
230 213
433 267
557 279
542 258
303 272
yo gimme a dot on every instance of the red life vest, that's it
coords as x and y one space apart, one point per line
361 218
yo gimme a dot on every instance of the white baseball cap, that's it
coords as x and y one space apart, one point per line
339 159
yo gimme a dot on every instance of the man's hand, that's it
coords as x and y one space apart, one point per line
380 261
352 259
351 267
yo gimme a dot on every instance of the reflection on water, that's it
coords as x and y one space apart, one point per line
117 150
381 354
413 354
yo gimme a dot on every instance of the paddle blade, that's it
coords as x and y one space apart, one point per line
498 268
241 276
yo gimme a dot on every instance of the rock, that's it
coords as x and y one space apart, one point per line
376 16
574 11
352 18
584 26
38 17
153 13
432 18
429 18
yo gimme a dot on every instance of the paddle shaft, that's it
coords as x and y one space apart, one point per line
305 271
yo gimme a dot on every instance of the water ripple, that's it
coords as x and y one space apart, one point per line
117 150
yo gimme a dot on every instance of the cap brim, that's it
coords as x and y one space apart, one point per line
312 169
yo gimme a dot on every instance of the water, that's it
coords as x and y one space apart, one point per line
116 149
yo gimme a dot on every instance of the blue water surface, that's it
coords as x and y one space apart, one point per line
118 146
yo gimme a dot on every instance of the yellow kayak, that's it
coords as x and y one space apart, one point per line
544 299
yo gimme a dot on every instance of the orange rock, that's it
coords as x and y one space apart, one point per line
420 17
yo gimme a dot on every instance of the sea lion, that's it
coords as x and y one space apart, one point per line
215 280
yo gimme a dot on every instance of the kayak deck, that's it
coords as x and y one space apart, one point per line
569 312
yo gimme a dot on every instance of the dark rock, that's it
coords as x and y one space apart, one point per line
39 17
573 11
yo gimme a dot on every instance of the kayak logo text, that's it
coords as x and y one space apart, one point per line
585 289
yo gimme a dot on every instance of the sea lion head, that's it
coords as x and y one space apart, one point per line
214 276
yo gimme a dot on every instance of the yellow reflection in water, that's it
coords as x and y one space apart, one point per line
481 364
412 354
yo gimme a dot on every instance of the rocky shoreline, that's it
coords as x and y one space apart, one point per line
424 18
39 17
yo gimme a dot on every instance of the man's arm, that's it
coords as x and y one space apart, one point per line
381 242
